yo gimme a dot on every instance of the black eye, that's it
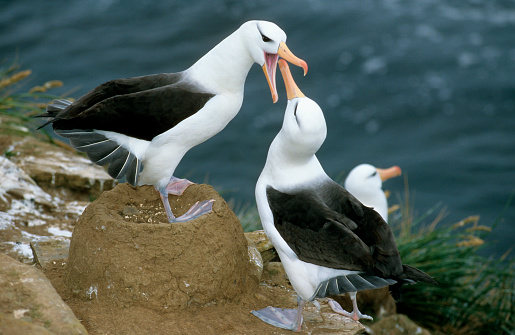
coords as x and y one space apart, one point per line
265 39
373 174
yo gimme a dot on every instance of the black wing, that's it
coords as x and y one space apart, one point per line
316 233
330 227
141 107
372 229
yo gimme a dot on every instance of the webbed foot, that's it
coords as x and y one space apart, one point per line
279 317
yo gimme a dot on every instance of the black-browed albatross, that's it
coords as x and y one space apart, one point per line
328 242
141 127
365 182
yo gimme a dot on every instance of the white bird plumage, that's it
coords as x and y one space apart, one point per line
328 241
142 127
365 182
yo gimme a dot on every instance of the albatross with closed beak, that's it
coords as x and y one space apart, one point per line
328 241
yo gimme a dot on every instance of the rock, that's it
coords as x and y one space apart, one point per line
397 324
30 305
29 213
15 184
141 260
65 173
256 261
263 245
48 251
277 275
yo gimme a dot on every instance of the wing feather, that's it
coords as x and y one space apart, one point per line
140 107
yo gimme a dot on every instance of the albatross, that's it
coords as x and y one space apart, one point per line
365 182
328 241
141 127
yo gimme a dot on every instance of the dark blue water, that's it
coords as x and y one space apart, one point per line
428 85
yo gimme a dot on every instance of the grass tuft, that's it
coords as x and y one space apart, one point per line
21 103
474 295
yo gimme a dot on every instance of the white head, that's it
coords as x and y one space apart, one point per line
266 42
365 182
304 129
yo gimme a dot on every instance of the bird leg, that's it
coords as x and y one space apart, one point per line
177 186
290 319
355 315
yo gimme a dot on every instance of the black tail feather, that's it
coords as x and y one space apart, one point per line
411 275
54 108
100 149
414 274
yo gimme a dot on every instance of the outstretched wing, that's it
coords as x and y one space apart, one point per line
139 107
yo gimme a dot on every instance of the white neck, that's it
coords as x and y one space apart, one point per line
286 172
225 67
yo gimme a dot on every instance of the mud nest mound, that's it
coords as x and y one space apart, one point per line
124 252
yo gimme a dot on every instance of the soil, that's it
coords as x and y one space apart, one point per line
129 261
218 303
227 317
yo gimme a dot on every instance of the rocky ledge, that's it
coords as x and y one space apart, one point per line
125 270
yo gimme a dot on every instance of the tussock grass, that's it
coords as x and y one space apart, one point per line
21 103
474 295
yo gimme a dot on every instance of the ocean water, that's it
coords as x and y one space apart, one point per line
427 85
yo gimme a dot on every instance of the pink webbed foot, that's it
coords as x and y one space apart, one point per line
198 209
279 317
290 319
354 315
177 186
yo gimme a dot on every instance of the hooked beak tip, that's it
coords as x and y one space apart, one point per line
304 65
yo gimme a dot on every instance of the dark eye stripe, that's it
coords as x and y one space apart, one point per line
265 39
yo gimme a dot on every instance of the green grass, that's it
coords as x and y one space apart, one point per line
22 103
474 295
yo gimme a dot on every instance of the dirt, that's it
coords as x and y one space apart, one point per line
125 259
195 276
225 317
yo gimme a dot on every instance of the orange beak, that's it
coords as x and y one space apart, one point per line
269 68
391 172
292 90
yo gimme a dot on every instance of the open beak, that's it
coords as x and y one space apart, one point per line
391 172
270 66
292 90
